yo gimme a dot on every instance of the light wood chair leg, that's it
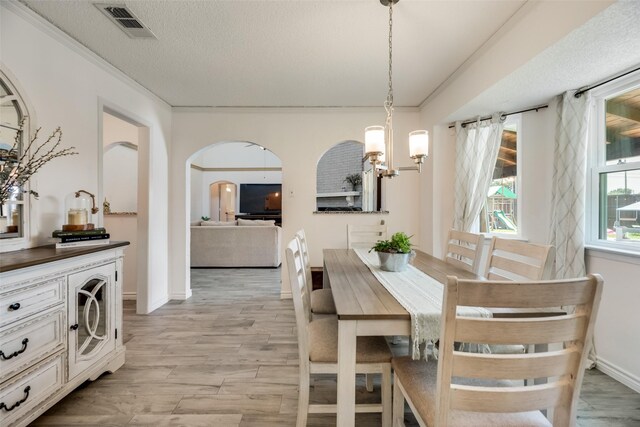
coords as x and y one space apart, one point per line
303 400
369 382
398 403
386 396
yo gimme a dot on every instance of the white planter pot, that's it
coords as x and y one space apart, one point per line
393 262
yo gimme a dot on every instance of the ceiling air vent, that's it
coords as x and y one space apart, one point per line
126 20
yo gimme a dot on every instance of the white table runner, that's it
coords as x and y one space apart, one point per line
419 294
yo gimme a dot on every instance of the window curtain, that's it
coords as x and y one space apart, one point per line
569 181
477 146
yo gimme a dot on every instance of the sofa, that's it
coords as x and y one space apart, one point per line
241 243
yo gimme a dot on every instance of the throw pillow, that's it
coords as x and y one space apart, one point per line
218 223
256 222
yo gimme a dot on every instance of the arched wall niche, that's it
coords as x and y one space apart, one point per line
345 181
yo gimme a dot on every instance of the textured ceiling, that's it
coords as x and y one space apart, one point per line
607 45
285 53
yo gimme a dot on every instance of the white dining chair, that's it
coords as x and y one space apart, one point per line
365 236
318 349
509 259
464 250
320 300
477 389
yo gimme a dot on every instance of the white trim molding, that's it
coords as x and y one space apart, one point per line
618 374
129 296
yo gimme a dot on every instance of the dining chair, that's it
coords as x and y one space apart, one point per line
318 349
509 259
472 389
365 236
464 250
320 300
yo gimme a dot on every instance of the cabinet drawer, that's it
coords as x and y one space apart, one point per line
29 341
30 390
35 298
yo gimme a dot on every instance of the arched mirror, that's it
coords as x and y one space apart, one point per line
14 201
344 182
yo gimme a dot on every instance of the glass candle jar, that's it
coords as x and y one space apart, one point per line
78 212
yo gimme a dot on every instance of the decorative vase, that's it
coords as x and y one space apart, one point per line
393 261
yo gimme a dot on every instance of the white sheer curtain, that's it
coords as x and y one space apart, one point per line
569 181
477 146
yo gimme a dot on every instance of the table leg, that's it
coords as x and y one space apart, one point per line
346 407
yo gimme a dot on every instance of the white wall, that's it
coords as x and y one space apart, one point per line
119 164
237 155
66 85
117 130
120 185
197 189
125 227
617 331
298 137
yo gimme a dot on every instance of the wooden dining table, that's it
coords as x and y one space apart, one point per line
365 308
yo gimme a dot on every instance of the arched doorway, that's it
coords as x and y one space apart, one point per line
243 168
223 195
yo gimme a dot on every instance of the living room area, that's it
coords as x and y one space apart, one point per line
235 206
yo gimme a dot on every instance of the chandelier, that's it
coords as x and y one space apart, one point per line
378 140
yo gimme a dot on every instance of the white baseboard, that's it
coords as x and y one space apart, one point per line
286 295
181 295
129 296
618 374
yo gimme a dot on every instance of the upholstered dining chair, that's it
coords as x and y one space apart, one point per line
472 389
464 250
320 300
318 348
365 236
509 259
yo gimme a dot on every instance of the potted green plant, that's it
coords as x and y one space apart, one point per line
354 179
394 254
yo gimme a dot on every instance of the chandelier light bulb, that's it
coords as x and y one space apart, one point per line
374 139
418 143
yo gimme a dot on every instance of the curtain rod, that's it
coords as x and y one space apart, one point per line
540 107
588 88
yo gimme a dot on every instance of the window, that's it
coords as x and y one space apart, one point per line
615 160
500 213
13 212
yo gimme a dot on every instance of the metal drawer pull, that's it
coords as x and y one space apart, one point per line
74 327
15 306
19 402
15 353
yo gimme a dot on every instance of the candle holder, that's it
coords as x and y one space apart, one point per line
79 208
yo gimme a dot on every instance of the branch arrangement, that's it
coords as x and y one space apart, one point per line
16 172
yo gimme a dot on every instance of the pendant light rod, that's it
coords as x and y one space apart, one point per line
378 140
388 104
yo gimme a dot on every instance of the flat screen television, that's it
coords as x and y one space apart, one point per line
261 199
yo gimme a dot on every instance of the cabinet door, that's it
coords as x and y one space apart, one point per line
91 316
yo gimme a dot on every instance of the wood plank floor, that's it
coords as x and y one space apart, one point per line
228 357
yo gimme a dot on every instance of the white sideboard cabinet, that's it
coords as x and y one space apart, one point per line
60 324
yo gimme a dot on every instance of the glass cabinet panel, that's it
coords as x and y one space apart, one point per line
91 316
